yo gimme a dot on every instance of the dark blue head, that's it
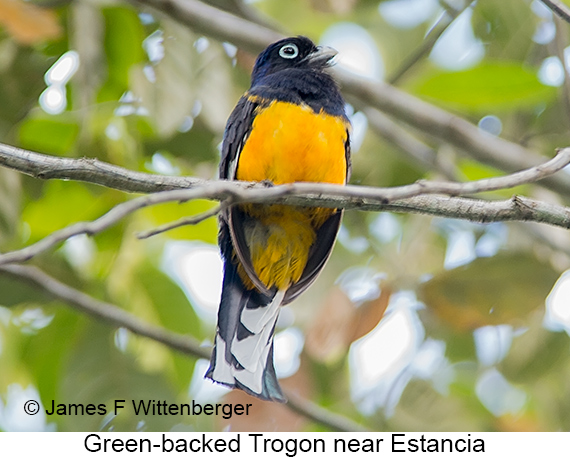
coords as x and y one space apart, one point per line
296 52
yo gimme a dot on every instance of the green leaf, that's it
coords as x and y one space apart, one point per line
62 204
490 86
10 204
489 291
170 95
175 313
506 29
460 345
124 35
45 353
535 353
171 304
474 170
14 291
98 372
53 135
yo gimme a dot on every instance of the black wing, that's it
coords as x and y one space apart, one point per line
237 131
324 242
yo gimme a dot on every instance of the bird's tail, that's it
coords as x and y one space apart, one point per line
243 353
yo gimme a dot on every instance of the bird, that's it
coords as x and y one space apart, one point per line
290 126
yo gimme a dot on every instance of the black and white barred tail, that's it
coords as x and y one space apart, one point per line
243 353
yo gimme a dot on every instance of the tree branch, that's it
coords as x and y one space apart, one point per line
118 318
559 8
43 166
192 220
334 196
515 209
311 194
434 121
94 171
105 311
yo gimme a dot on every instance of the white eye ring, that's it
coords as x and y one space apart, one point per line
289 51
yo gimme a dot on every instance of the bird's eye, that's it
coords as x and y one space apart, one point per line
289 51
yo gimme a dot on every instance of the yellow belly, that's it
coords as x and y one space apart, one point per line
289 143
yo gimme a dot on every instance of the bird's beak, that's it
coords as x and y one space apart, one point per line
322 56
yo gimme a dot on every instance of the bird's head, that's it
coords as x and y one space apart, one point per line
296 52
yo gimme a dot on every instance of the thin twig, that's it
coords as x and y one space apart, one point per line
192 220
427 45
309 194
559 8
118 318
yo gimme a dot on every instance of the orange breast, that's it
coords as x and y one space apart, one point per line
291 143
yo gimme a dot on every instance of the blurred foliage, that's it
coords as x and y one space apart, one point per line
488 87
152 95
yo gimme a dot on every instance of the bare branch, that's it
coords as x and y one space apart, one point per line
118 318
323 195
515 209
44 166
116 177
193 220
559 8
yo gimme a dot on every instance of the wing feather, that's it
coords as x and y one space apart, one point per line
324 242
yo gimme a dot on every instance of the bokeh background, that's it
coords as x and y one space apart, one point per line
417 323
